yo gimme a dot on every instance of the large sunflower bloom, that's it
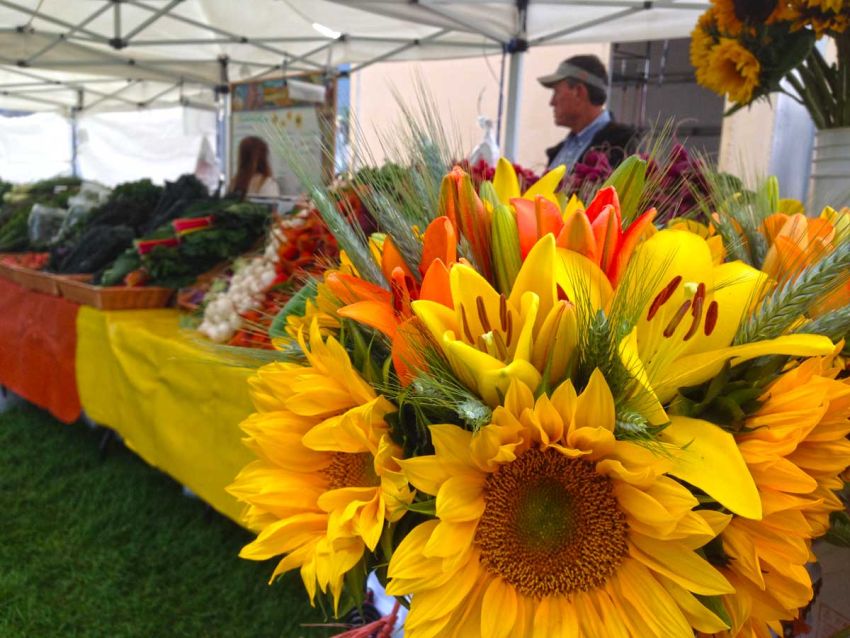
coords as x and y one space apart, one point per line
734 70
326 480
547 526
795 448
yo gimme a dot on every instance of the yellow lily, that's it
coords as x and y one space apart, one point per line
683 337
490 338
506 183
684 332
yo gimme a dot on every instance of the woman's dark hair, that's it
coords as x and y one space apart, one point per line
253 159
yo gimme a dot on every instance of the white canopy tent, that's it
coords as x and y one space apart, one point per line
125 54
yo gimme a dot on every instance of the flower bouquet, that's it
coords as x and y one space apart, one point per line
541 418
745 49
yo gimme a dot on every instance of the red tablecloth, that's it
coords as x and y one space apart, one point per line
38 343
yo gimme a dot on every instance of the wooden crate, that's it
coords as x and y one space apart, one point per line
114 297
6 272
37 280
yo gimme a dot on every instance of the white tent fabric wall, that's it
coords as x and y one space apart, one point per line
34 147
158 143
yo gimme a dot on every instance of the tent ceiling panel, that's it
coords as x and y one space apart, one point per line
160 44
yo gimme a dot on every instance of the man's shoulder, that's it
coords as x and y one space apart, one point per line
552 151
616 134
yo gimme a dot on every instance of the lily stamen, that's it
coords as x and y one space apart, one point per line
710 318
662 297
500 345
482 314
677 319
465 324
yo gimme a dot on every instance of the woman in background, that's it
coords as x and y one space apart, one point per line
253 172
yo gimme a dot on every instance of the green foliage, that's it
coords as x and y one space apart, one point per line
13 234
839 529
236 227
127 262
296 305
785 305
109 548
834 324
730 396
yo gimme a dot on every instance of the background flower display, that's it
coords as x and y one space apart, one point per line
540 416
745 49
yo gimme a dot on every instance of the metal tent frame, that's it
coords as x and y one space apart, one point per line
106 57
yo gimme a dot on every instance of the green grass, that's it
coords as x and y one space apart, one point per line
93 547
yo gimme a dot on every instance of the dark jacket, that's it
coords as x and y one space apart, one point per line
616 140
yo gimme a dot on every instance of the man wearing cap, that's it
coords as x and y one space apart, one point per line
579 91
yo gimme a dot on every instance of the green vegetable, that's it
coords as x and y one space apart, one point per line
13 234
127 262
236 227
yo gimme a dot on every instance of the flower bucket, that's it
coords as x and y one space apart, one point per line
830 182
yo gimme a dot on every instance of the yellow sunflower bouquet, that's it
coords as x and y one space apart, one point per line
540 418
744 50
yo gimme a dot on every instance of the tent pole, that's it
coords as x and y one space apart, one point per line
222 138
513 102
516 48
75 137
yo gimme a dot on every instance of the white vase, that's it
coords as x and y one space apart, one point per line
830 182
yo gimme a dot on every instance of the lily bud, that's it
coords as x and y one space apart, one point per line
628 180
460 203
506 252
488 194
556 343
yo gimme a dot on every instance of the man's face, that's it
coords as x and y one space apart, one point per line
565 103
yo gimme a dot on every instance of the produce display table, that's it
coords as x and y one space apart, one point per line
173 404
38 341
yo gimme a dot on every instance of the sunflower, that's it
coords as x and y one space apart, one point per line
795 448
726 17
549 526
822 15
733 69
326 479
701 44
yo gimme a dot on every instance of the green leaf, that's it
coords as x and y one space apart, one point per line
296 305
428 507
715 605
839 529
355 583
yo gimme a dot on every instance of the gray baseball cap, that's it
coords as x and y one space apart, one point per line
566 70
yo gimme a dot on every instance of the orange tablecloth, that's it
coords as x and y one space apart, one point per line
38 343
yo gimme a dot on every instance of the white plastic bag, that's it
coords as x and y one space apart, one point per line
43 224
488 149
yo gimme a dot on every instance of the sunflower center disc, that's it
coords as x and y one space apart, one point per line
551 525
351 470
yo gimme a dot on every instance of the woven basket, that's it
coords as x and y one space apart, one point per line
114 297
36 280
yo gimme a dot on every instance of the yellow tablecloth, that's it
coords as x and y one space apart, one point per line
173 405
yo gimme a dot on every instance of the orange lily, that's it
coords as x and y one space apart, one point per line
797 242
389 312
596 232
461 205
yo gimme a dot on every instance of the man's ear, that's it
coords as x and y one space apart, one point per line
581 91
